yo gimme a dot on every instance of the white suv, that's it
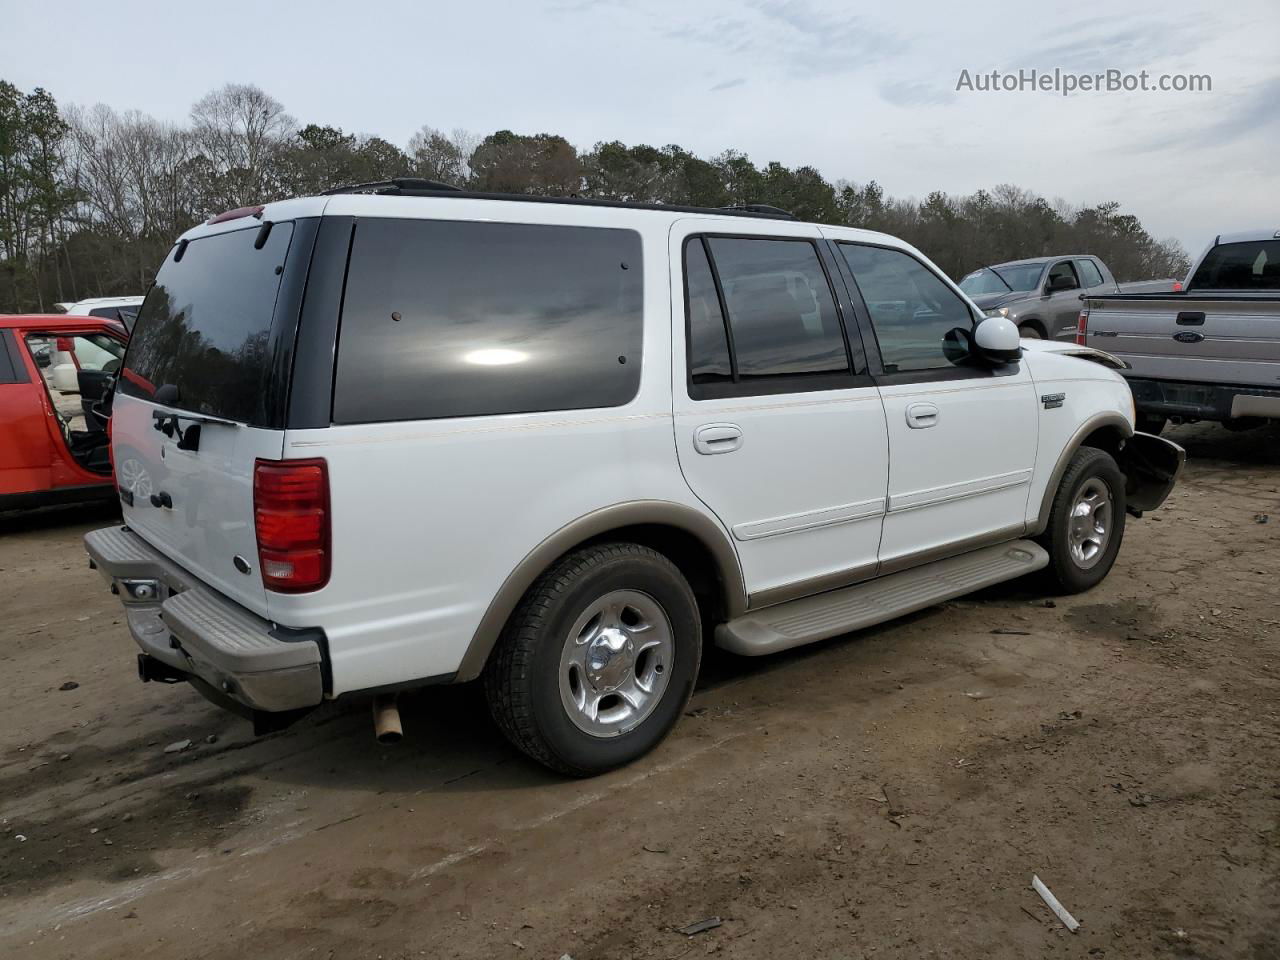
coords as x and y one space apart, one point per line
401 435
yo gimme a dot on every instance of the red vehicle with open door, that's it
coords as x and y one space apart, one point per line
54 444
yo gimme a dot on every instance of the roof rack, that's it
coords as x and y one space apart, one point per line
417 187
396 186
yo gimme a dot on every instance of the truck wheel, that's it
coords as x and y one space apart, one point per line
1151 423
1086 521
598 661
1029 331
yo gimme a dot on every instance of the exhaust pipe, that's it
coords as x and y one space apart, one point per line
386 719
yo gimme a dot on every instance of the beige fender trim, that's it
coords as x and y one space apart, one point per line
1096 422
647 512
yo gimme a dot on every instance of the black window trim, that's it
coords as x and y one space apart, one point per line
765 385
875 362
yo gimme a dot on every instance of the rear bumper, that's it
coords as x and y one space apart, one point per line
1204 401
229 653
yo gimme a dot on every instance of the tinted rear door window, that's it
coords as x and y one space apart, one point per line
781 312
458 319
205 326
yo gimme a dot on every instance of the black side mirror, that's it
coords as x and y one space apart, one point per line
1061 282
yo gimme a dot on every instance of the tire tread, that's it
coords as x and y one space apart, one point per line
507 676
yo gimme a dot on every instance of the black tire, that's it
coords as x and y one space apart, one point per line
1065 571
522 677
1151 423
1031 331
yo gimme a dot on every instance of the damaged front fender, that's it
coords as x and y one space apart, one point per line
1151 466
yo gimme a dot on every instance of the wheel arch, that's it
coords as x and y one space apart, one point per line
1034 321
1105 431
691 540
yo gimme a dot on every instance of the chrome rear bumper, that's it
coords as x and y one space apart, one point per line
202 636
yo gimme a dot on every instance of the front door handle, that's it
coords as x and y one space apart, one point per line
716 438
921 415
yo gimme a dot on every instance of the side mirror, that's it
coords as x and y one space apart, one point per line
1061 282
996 341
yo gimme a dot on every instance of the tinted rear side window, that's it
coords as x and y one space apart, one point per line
1240 266
781 312
205 326
458 319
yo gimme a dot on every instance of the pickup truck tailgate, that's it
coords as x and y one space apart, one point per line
1233 340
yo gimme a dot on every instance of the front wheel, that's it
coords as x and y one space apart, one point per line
598 661
1029 331
1086 521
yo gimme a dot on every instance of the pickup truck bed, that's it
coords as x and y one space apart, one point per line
1206 354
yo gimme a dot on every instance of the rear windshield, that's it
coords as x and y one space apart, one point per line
1240 266
460 319
205 326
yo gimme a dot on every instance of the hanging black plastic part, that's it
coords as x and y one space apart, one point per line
182 248
264 231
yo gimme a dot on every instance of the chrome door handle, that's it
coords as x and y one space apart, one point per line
716 438
921 415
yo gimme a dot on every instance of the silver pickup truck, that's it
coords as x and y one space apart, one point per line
1210 352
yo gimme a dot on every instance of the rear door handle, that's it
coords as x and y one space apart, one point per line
921 415
716 438
1191 318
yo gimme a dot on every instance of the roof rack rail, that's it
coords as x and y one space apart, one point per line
396 185
761 208
418 187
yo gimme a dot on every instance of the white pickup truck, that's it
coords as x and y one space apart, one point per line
1211 352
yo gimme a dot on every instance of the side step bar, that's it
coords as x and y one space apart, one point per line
798 622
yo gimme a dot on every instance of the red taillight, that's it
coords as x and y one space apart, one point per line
1177 286
291 516
1082 327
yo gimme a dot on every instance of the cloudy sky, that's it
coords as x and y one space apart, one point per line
861 91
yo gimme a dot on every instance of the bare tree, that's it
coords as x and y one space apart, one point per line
239 130
440 157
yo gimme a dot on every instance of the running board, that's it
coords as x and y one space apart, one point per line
798 622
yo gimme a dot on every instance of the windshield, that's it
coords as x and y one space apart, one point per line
987 280
205 325
1240 266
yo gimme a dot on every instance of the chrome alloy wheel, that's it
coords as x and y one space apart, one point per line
616 663
1090 524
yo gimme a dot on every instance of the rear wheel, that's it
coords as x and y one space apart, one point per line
1086 521
598 661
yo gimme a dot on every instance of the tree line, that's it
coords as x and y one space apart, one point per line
91 199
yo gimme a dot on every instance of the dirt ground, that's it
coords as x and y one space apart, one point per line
889 794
